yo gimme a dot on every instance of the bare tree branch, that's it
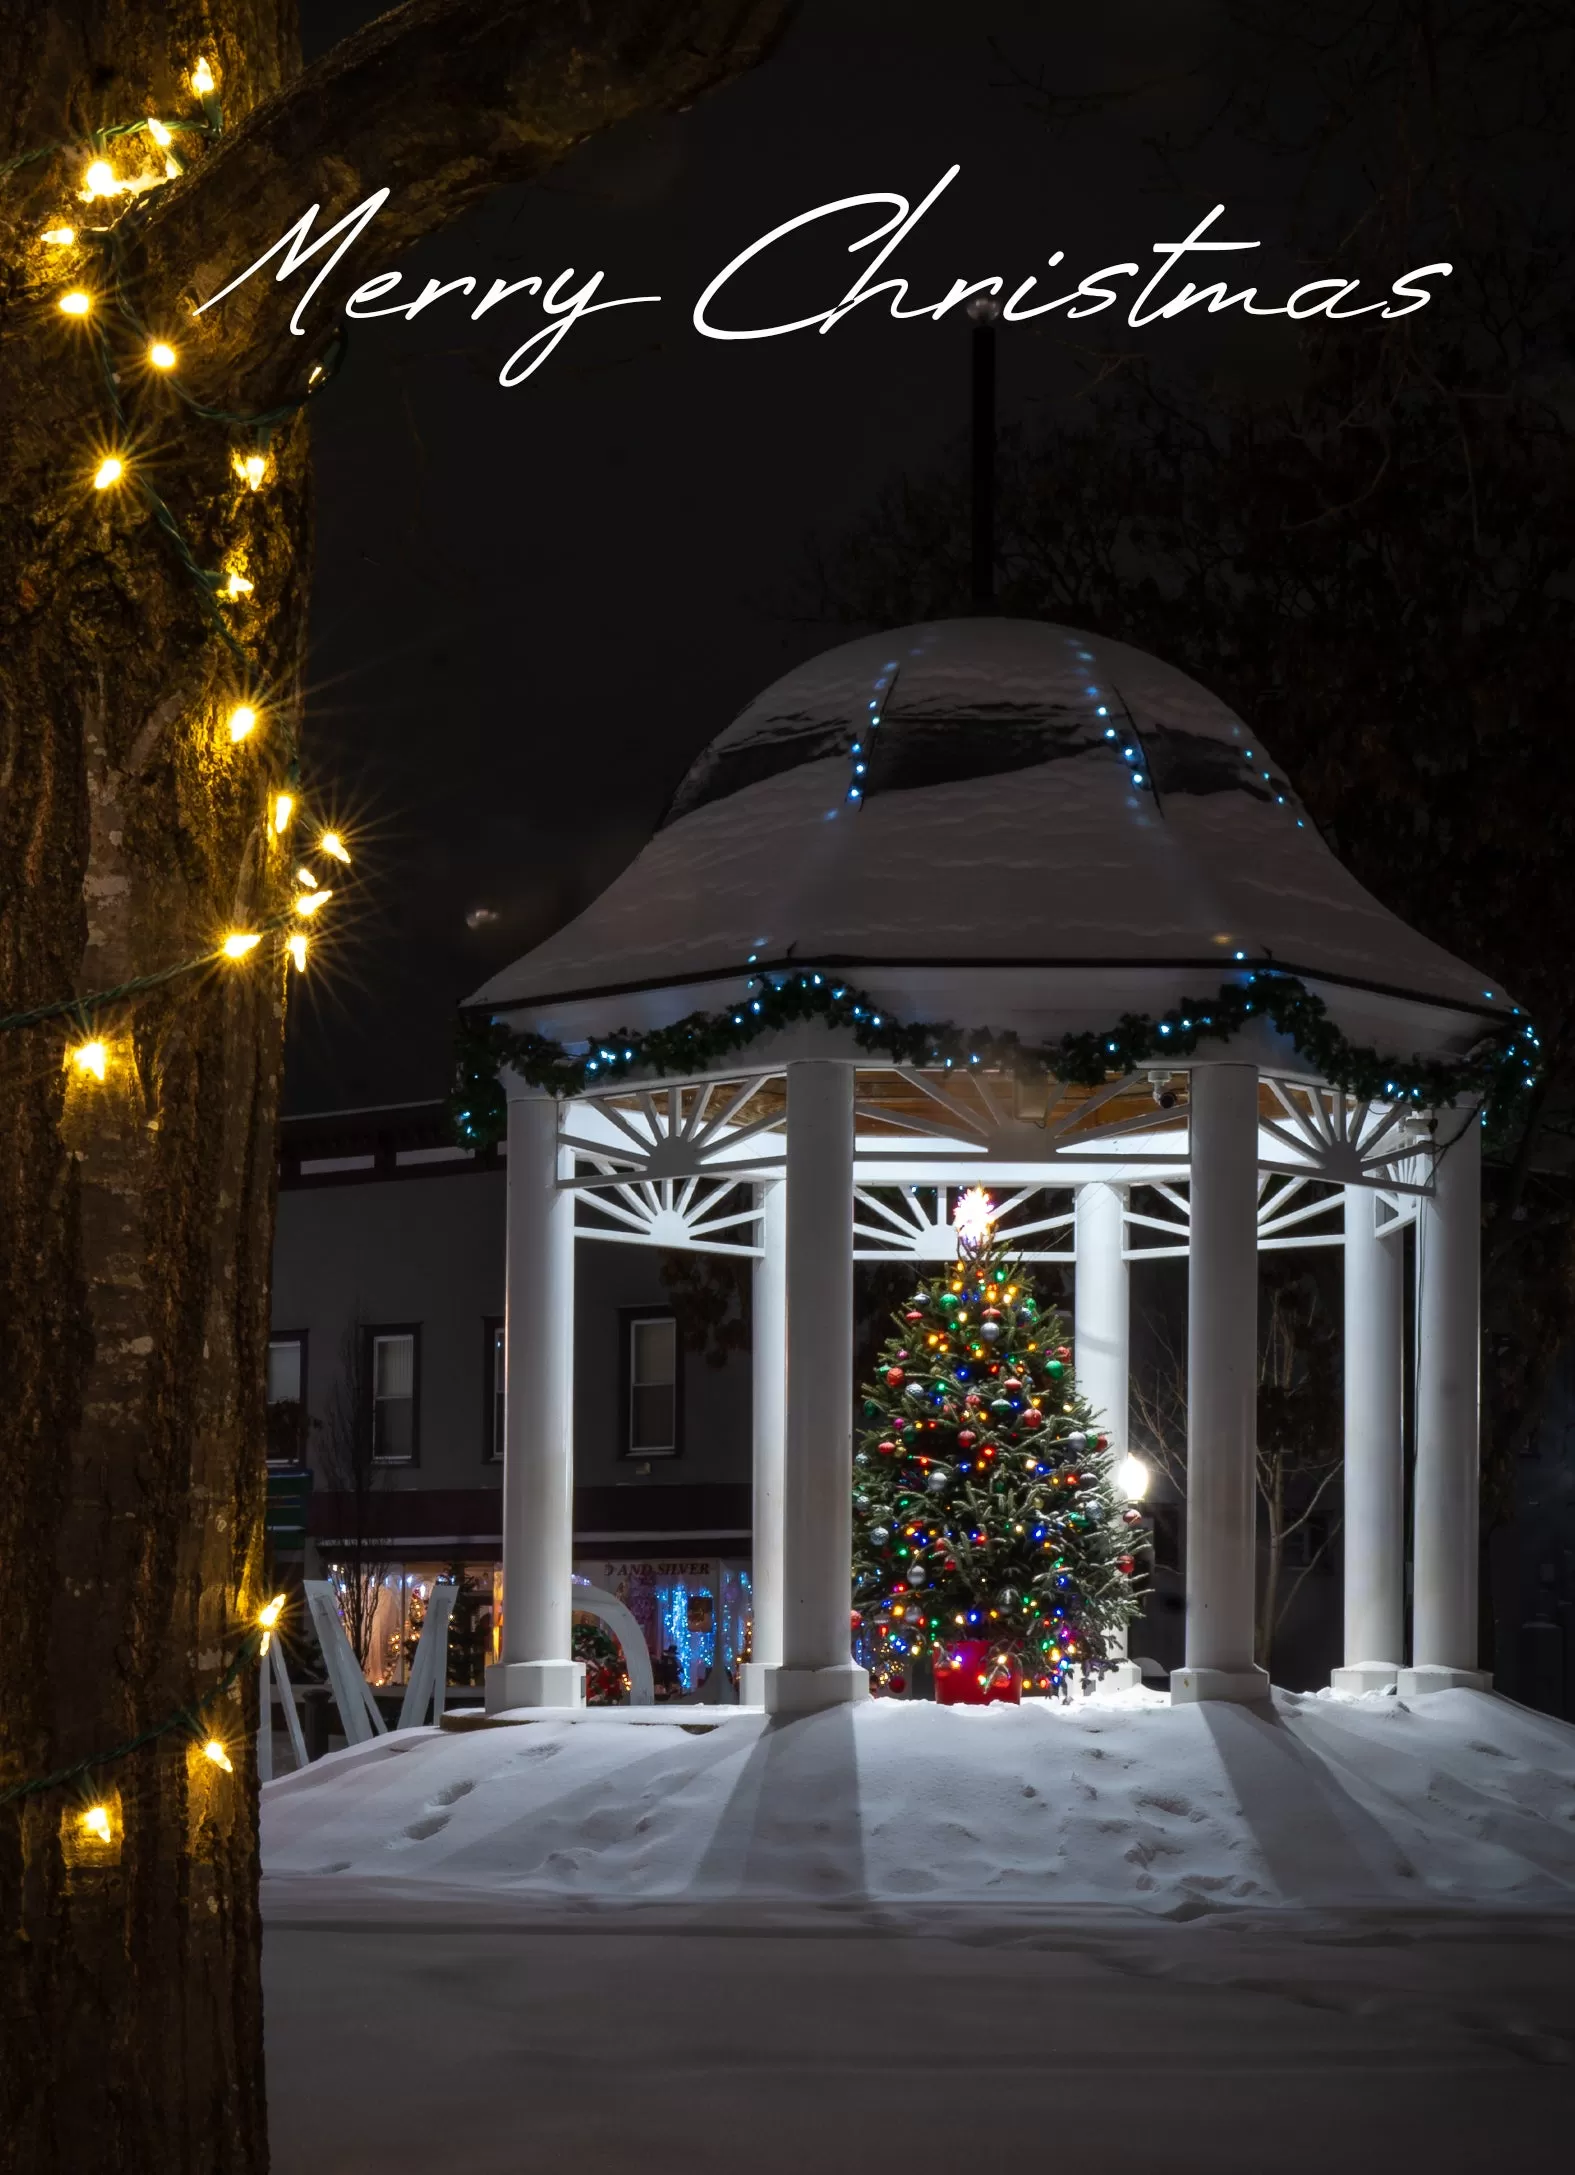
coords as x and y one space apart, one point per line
440 102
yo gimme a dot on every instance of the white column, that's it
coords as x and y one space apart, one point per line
769 1307
1374 1531
1222 1389
1101 1335
816 1668
538 1422
1101 1308
1448 1365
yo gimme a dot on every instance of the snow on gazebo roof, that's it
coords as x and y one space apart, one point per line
1048 810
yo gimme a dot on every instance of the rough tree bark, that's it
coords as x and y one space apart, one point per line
136 1215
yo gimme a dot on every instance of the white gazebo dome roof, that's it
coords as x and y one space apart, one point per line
1035 803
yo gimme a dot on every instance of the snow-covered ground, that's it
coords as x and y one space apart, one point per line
1121 1935
1328 1804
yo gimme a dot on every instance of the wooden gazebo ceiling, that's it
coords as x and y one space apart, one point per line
1035 1100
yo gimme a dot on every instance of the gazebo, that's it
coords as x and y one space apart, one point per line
757 1041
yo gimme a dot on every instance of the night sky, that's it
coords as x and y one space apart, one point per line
534 606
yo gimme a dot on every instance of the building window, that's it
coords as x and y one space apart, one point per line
652 1403
391 1377
492 1430
287 1398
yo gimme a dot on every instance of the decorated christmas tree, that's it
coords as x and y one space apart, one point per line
606 1678
990 1533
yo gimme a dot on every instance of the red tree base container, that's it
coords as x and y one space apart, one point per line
978 1673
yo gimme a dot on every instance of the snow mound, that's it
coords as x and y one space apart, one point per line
1464 1800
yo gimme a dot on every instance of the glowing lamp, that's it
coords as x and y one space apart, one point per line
110 470
214 1751
60 237
283 809
242 721
202 79
96 1821
974 1218
161 355
90 1057
238 943
77 303
160 134
296 947
99 180
334 846
309 901
238 586
1132 1478
252 467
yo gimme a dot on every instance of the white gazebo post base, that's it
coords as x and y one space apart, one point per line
808 1691
816 1668
1187 1686
1415 1683
1364 1676
534 1684
1222 1380
1449 1344
1101 1334
535 1669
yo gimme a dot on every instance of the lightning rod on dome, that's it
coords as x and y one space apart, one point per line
983 311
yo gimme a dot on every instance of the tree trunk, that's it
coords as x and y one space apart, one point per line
136 1214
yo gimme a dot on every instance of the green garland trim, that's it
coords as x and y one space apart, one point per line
183 1718
1501 1064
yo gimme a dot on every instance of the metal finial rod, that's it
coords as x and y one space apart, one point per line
984 311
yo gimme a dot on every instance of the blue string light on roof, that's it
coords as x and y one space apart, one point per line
864 747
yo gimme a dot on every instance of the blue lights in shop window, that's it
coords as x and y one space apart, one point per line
696 1650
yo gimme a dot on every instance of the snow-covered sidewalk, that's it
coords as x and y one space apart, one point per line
1464 1801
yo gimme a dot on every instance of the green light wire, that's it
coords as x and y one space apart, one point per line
186 1717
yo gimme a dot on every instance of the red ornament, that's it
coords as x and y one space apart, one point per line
1132 1517
1124 1563
913 1317
977 1673
1063 1351
894 1378
1011 1385
898 1682
1101 1442
1033 1417
855 1620
887 1449
966 1438
972 1400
